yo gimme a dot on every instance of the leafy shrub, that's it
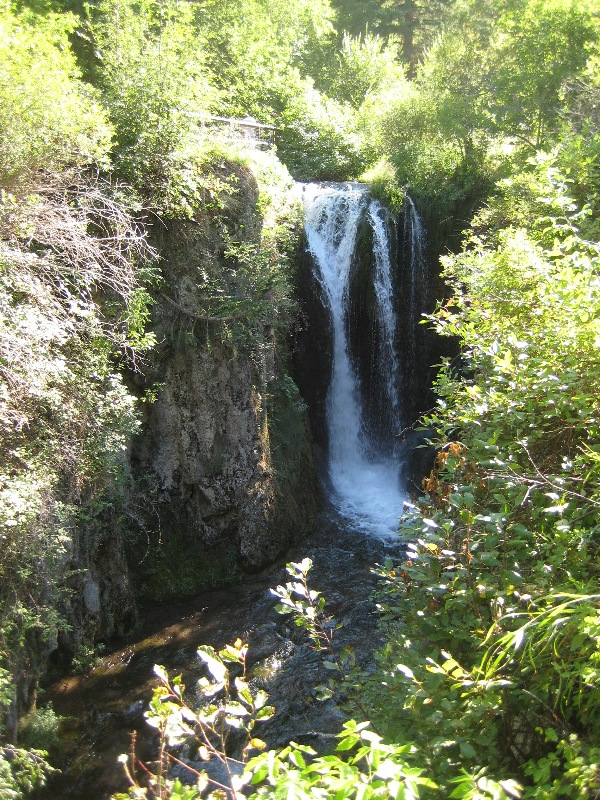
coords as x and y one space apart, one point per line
493 638
318 140
362 766
152 74
38 730
21 770
486 95
49 119
384 185
71 307
366 66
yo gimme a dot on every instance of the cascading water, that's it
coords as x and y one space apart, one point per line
379 218
365 481
415 243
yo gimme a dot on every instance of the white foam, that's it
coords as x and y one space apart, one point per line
366 490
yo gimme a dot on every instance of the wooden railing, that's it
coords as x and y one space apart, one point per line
248 130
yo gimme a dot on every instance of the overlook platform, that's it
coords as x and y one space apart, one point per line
248 130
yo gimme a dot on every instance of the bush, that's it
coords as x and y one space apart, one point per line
49 119
366 66
319 139
152 74
21 770
493 614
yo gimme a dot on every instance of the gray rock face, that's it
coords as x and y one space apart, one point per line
219 480
223 461
206 444
91 596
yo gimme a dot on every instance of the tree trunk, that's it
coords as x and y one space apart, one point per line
409 23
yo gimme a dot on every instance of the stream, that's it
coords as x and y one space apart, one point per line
104 706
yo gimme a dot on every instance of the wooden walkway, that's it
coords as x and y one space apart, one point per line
248 130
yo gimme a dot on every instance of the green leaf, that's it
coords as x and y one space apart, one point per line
244 693
323 692
265 713
407 671
215 666
467 750
161 673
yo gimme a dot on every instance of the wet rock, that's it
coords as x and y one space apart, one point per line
218 772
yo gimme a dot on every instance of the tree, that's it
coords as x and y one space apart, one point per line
257 49
414 22
538 48
365 66
151 72
487 91
48 118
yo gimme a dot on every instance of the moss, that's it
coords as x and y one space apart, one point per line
296 483
384 186
179 566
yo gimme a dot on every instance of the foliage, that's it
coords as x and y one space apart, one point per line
384 186
493 615
21 770
433 134
65 415
544 45
229 707
38 730
152 75
307 607
305 604
319 138
485 96
414 22
362 765
259 51
365 66
72 306
48 118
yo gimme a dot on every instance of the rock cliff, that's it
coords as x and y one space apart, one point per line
212 477
221 489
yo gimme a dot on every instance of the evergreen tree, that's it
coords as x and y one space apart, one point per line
414 22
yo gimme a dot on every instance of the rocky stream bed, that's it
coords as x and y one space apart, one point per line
104 706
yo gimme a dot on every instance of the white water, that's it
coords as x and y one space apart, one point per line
413 234
378 217
366 489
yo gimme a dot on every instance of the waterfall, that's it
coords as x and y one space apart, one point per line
415 245
380 220
364 479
